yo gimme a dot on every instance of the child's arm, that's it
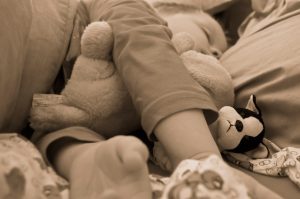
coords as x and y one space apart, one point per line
154 74
185 135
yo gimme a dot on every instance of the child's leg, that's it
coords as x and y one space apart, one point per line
115 168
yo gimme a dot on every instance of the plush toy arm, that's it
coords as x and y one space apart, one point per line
160 157
48 113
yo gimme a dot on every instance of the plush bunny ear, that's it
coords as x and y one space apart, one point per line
252 106
183 42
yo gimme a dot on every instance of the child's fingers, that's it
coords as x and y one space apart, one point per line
262 192
256 189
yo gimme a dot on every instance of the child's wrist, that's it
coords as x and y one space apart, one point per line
204 155
209 177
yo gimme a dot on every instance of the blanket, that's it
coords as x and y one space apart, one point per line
24 174
276 162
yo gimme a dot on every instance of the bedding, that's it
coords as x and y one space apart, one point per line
273 78
259 65
24 174
265 61
276 162
36 38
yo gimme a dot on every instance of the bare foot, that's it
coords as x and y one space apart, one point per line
112 169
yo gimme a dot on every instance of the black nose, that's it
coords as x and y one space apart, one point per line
239 125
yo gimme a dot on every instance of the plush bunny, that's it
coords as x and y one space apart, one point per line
95 96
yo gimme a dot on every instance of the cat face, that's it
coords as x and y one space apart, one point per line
240 129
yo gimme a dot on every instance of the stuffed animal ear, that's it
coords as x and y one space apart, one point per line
183 42
252 106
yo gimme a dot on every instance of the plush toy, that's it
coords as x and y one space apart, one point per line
238 130
95 96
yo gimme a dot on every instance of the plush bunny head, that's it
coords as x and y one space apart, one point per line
97 40
240 129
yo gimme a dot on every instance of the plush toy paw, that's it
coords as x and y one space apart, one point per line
206 70
97 41
46 110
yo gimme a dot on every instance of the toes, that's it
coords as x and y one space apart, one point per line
130 144
132 152
133 161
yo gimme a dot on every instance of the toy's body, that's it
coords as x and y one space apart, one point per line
240 129
95 96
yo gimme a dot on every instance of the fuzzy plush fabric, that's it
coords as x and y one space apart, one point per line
206 70
94 97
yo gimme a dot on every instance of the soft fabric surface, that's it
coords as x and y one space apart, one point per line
265 62
206 178
273 162
14 36
35 34
24 174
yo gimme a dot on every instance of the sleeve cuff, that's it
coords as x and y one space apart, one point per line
80 134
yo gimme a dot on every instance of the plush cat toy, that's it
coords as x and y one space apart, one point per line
238 130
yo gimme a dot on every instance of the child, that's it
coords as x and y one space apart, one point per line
207 33
71 156
173 113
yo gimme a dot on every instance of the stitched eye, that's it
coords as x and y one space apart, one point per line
239 125
216 53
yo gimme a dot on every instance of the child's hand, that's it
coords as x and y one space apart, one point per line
211 177
256 190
